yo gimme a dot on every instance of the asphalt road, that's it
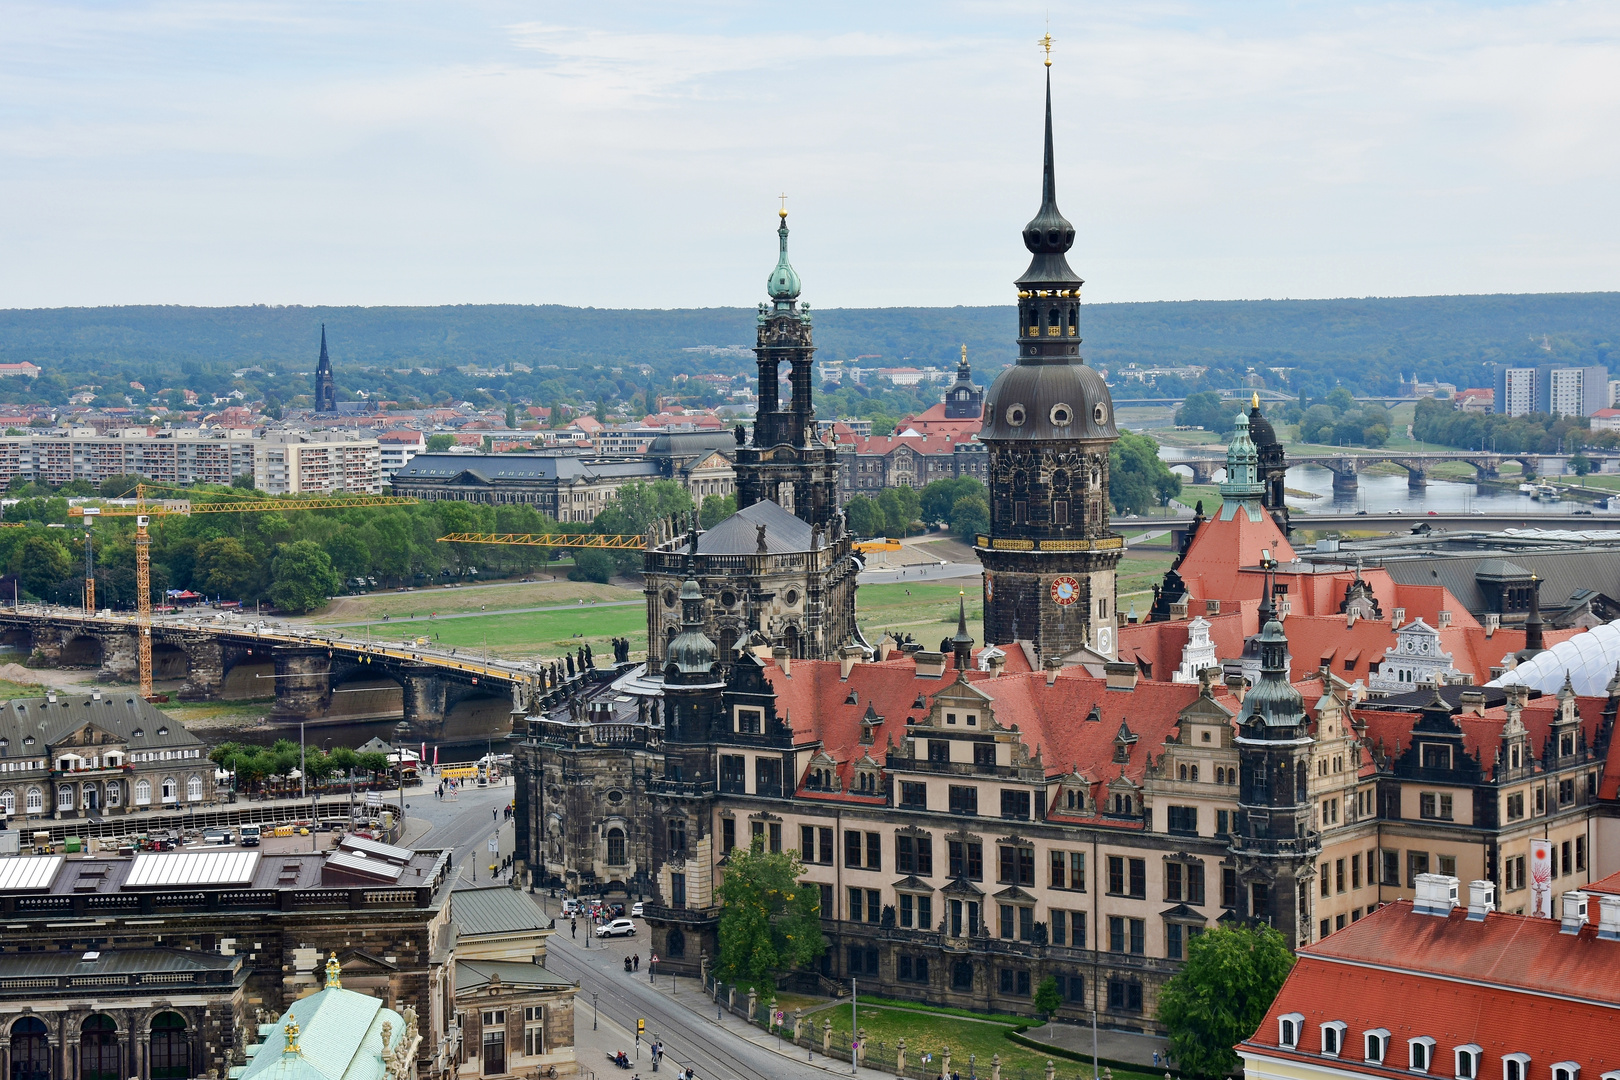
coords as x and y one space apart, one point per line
685 1021
465 825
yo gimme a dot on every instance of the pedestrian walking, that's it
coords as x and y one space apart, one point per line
638 961
573 928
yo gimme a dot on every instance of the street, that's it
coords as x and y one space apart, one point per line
464 825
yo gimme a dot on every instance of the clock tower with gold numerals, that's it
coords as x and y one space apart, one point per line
1049 556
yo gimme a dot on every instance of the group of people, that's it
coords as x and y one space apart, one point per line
632 963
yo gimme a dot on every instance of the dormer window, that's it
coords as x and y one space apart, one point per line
1378 1046
1566 1070
1419 1053
163 731
1288 1029
1515 1067
1468 1061
1333 1037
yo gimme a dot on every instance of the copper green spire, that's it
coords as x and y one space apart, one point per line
784 283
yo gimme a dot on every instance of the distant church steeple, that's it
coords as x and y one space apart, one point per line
964 401
325 389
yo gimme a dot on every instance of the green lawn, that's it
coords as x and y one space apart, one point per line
525 634
927 612
979 1040
505 596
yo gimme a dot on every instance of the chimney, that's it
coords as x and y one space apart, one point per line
1608 917
1493 623
998 661
1445 619
885 647
1350 619
1481 899
1120 675
848 657
1473 701
783 659
1178 610
1212 607
1052 664
1237 686
1397 617
1436 894
1574 913
95 695
929 663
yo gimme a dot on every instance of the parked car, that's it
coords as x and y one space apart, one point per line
635 909
617 928
1582 513
570 906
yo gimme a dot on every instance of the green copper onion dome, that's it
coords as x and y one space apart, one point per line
784 283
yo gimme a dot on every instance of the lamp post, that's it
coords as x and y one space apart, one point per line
401 730
593 1010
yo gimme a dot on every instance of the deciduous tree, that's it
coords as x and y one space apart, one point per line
771 920
302 577
1218 999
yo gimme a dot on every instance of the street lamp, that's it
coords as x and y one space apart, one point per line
401 730
593 1010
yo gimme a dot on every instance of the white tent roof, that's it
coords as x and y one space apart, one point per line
1588 659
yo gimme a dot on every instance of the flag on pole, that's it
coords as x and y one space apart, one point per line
424 753
435 757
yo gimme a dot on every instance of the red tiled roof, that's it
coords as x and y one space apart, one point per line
1482 735
927 445
1210 567
1507 983
1610 885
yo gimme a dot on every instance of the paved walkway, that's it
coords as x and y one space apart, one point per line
1117 1045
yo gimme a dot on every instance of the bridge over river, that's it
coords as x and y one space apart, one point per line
1346 465
314 677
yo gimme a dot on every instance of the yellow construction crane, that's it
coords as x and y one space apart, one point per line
143 513
611 541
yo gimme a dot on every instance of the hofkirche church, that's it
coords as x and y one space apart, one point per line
982 817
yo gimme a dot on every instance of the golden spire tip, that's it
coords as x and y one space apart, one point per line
1046 43
783 212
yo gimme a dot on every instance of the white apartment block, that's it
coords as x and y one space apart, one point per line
297 464
174 457
397 448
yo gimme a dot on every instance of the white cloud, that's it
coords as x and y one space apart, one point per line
361 153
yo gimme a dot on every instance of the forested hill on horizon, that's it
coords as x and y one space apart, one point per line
1365 343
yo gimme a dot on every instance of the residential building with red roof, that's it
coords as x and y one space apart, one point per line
876 462
1449 986
1476 399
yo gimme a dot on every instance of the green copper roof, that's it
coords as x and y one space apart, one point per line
339 1038
1242 487
784 283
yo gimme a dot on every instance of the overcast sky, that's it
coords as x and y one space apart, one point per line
630 155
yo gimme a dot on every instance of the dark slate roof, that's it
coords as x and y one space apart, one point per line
493 468
685 444
739 533
1451 694
1563 574
495 910
472 974
112 962
121 714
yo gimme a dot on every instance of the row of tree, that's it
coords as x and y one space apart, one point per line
1437 422
255 765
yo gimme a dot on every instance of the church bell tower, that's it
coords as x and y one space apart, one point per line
1049 556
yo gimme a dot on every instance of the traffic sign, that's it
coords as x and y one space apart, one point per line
641 1025
494 845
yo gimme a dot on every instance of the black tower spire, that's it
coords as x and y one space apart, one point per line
325 390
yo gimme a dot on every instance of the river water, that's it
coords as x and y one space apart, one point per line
1378 494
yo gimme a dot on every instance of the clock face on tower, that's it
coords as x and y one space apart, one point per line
1065 591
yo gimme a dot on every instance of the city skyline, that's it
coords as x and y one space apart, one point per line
285 153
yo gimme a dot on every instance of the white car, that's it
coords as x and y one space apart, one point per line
635 909
617 928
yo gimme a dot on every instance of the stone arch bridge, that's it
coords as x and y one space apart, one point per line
321 680
1347 466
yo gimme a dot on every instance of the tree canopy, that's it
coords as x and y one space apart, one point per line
1137 478
1219 997
770 921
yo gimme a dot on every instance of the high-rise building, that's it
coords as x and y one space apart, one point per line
325 389
1049 557
1552 388
1515 391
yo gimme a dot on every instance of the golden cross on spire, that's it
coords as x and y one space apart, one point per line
1046 43
783 197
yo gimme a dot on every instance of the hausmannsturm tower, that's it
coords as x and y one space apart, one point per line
1050 556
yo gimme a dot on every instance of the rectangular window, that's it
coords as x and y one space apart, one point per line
749 721
677 890
768 777
1172 941
1322 878
874 851
905 855
939 751
1172 882
731 775
728 834
925 912
1564 851
1515 806
1077 923
1566 791
1580 853
1124 997
1138 937
964 800
857 904
1060 926
1195 884
1338 875
907 910
825 854
1060 511
1513 871
1417 862
1229 889
1183 819
1139 878
1116 875
853 842
1026 924
984 756
807 843
913 796
776 836
826 900
1015 804
1448 865
925 856
874 905
534 1031
1355 871
1008 922
966 859
1116 933
1223 822
1392 867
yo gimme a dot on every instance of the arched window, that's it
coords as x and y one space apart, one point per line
194 789
615 838
143 793
675 943
115 793
1220 775
1181 772
8 802
30 1050
36 801
171 1051
98 1048
1195 774
64 797
170 790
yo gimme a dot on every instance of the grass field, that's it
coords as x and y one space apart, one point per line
927 612
980 1039
498 597
528 633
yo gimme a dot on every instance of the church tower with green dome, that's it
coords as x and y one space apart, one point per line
1049 555
1242 491
785 462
